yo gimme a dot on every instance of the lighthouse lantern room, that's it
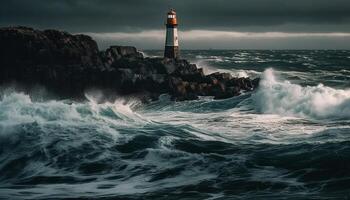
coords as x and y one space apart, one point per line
171 41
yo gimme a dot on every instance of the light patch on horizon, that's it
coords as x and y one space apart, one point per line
195 39
195 34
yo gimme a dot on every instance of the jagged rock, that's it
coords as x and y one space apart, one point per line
115 53
69 64
31 47
220 76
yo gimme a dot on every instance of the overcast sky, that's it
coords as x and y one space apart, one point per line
220 24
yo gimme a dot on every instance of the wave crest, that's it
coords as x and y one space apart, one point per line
285 98
18 109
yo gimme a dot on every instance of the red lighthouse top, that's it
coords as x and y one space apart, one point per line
171 20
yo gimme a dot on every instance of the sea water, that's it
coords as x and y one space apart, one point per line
288 139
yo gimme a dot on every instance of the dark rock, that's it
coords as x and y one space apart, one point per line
114 53
221 76
70 64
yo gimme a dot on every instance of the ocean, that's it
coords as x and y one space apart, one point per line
289 139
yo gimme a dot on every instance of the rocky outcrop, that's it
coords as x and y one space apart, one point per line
69 64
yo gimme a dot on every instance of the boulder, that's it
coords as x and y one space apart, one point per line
70 64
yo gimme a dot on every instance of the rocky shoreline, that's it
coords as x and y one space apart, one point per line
69 65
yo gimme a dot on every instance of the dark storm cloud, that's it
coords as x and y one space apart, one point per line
138 15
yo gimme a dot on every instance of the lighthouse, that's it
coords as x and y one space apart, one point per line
172 41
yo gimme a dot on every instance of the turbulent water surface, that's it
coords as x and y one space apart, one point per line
289 139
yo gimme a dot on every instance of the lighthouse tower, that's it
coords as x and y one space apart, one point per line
172 41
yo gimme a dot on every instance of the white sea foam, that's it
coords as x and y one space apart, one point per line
245 73
284 98
19 108
120 108
208 69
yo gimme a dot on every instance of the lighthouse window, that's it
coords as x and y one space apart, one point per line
171 16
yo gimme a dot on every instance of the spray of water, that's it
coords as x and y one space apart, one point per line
287 99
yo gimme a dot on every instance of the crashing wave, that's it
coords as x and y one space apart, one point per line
19 108
285 98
